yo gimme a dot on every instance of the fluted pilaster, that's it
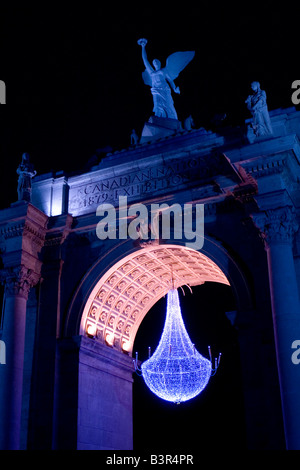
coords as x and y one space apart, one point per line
277 228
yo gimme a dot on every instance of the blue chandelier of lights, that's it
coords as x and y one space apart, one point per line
176 372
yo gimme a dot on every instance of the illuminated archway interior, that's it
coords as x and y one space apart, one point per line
123 296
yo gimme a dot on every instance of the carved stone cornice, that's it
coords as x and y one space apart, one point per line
266 166
246 190
205 173
57 236
276 225
22 227
18 280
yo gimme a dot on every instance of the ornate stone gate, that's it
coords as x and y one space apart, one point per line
73 303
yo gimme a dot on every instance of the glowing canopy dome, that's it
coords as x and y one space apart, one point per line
176 372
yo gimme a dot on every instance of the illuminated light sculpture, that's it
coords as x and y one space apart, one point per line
176 372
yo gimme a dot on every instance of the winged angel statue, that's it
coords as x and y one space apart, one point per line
161 79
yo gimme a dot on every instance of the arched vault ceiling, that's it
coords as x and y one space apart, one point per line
128 290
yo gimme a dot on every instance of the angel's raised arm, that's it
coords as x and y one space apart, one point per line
143 42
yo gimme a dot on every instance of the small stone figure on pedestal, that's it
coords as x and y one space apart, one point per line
189 123
257 104
26 172
134 138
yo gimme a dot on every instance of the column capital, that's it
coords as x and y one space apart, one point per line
276 225
19 280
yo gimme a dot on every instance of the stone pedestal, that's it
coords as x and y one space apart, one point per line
278 227
158 128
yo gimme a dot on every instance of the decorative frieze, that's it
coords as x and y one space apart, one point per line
197 171
25 229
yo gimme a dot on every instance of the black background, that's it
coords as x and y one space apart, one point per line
73 73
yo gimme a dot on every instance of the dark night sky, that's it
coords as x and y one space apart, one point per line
73 75
74 85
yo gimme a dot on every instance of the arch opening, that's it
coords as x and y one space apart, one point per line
126 292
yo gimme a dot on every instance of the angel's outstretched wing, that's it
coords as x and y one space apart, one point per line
177 62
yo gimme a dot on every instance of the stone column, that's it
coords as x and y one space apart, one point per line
277 227
22 235
18 282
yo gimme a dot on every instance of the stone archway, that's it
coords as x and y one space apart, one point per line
104 316
124 295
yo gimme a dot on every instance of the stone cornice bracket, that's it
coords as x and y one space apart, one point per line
19 280
248 188
58 234
276 225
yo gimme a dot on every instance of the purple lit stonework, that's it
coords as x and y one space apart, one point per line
74 304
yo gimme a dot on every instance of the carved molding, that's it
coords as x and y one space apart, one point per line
276 225
198 171
56 237
245 191
12 231
31 228
259 167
